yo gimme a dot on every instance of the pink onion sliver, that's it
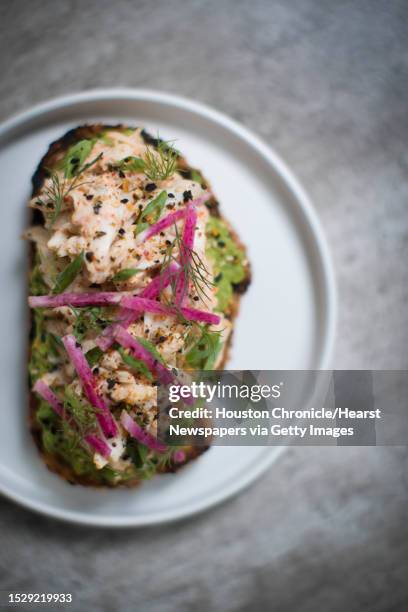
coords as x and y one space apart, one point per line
98 445
126 317
187 245
101 298
140 352
49 396
163 224
179 456
171 219
88 382
140 434
46 393
191 314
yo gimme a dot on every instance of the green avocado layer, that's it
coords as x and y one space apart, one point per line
228 261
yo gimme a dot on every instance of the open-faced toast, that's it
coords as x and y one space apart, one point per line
101 198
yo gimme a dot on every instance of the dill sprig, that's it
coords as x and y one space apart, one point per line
81 418
60 188
202 344
193 268
160 163
92 318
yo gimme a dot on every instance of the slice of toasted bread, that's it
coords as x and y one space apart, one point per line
55 153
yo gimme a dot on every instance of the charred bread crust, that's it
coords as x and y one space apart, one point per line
55 153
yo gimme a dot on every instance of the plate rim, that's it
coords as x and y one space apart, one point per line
310 217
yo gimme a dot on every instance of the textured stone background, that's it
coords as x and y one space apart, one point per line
326 84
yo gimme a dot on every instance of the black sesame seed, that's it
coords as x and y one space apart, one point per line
89 196
121 231
75 160
111 383
187 195
170 195
89 256
124 200
150 187
196 298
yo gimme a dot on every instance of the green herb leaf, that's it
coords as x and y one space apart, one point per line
76 156
125 274
68 275
131 164
197 177
154 208
93 355
142 458
152 212
135 364
152 349
140 227
204 352
92 318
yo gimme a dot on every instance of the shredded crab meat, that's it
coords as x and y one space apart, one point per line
103 209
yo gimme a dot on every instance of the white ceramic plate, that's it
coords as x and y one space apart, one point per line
287 318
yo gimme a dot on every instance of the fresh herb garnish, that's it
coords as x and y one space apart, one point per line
193 267
125 274
93 355
205 349
56 193
152 349
137 452
151 213
158 163
68 275
75 157
131 164
135 364
93 318
81 413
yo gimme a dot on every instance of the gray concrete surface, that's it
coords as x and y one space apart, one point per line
325 82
